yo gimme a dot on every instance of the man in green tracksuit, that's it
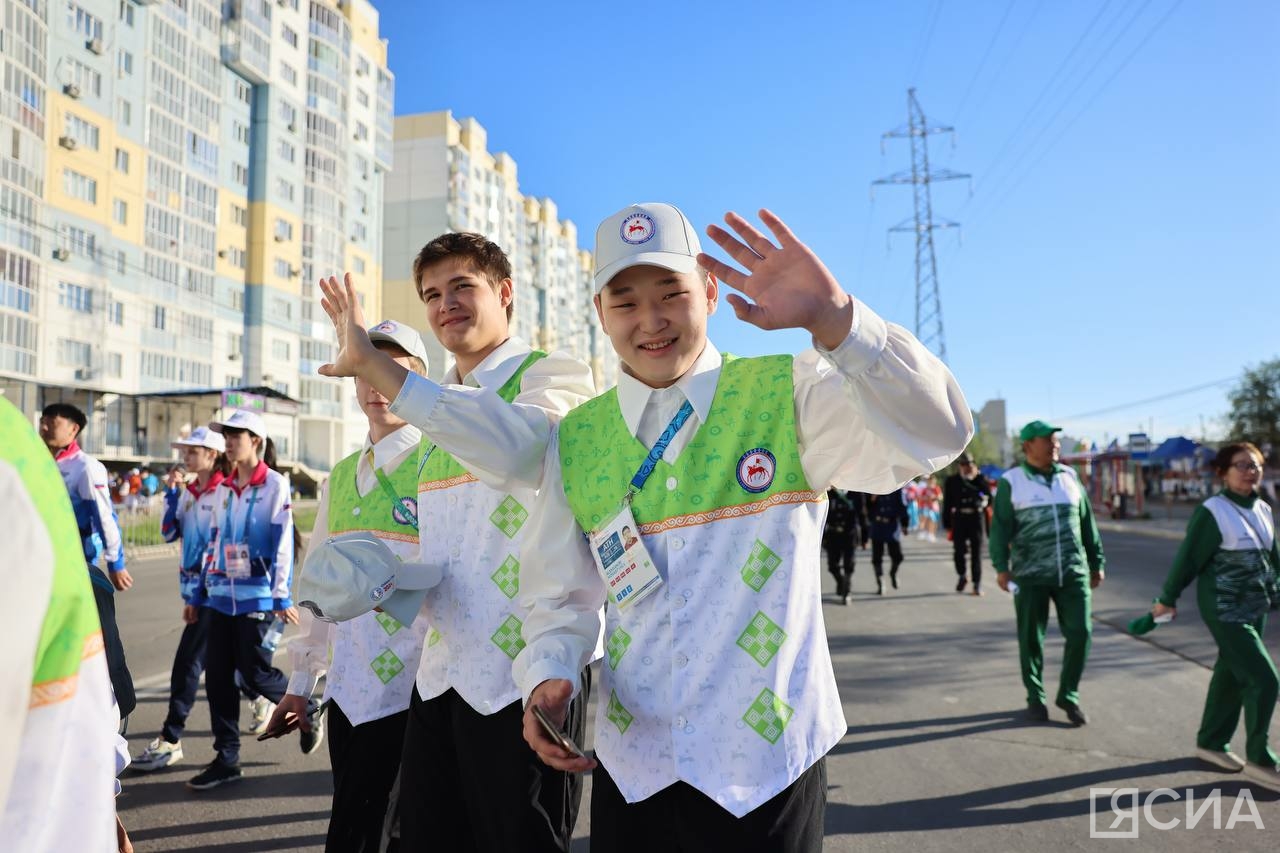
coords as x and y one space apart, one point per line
1045 547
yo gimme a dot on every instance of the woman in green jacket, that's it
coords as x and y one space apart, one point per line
1231 553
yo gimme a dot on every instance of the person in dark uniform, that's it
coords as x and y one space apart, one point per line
889 520
964 504
846 529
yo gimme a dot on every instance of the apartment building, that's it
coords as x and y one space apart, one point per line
174 178
445 179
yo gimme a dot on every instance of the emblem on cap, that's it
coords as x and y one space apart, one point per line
638 228
756 469
377 593
385 326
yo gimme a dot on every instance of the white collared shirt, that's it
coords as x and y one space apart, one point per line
501 444
309 649
871 414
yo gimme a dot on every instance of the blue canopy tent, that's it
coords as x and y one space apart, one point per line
1178 447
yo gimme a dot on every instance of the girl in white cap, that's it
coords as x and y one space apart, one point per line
188 516
247 580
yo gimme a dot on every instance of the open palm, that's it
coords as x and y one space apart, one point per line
786 285
343 307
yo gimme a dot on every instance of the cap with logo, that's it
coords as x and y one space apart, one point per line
1037 429
405 337
241 419
651 233
202 437
352 573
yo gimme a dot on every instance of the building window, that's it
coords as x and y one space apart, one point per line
362 97
285 189
119 211
362 66
115 313
279 349
241 131
281 268
83 132
124 63
282 309
115 365
287 152
158 319
122 161
240 174
83 23
75 297
126 13
89 81
79 186
235 257
242 91
359 232
283 230
125 110
240 215
362 131
290 76
290 37
358 263
73 353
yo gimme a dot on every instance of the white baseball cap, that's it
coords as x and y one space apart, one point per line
651 233
241 419
405 337
202 437
350 574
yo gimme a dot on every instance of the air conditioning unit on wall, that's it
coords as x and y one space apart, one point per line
95 46
71 90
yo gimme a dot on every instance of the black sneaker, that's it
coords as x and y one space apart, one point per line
960 584
893 579
214 775
1074 713
879 587
844 600
1037 712
310 741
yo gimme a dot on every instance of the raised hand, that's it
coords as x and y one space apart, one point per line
343 307
787 285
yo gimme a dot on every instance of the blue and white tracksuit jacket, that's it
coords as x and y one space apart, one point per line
188 513
86 482
259 515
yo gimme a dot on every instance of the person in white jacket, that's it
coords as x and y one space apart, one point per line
718 702
468 782
371 660
59 748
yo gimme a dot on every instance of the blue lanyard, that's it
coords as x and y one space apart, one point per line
248 513
390 490
425 457
660 446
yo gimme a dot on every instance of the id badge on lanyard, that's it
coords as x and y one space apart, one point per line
621 557
235 554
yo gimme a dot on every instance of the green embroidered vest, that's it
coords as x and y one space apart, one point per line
750 428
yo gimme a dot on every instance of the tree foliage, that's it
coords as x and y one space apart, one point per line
1255 408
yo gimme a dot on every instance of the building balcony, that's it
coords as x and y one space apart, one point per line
246 50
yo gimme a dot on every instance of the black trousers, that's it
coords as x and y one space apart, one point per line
470 784
366 761
104 596
966 536
682 819
840 560
878 547
235 646
184 679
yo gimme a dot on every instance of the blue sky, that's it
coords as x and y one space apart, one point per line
1120 240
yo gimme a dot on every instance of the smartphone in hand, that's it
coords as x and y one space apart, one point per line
558 737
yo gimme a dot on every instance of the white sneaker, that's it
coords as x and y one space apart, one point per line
159 753
261 710
1224 760
1268 777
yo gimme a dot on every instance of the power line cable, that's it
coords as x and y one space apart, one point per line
1089 103
1170 395
928 37
1017 42
982 63
1026 116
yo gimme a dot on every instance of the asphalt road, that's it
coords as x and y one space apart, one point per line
937 756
